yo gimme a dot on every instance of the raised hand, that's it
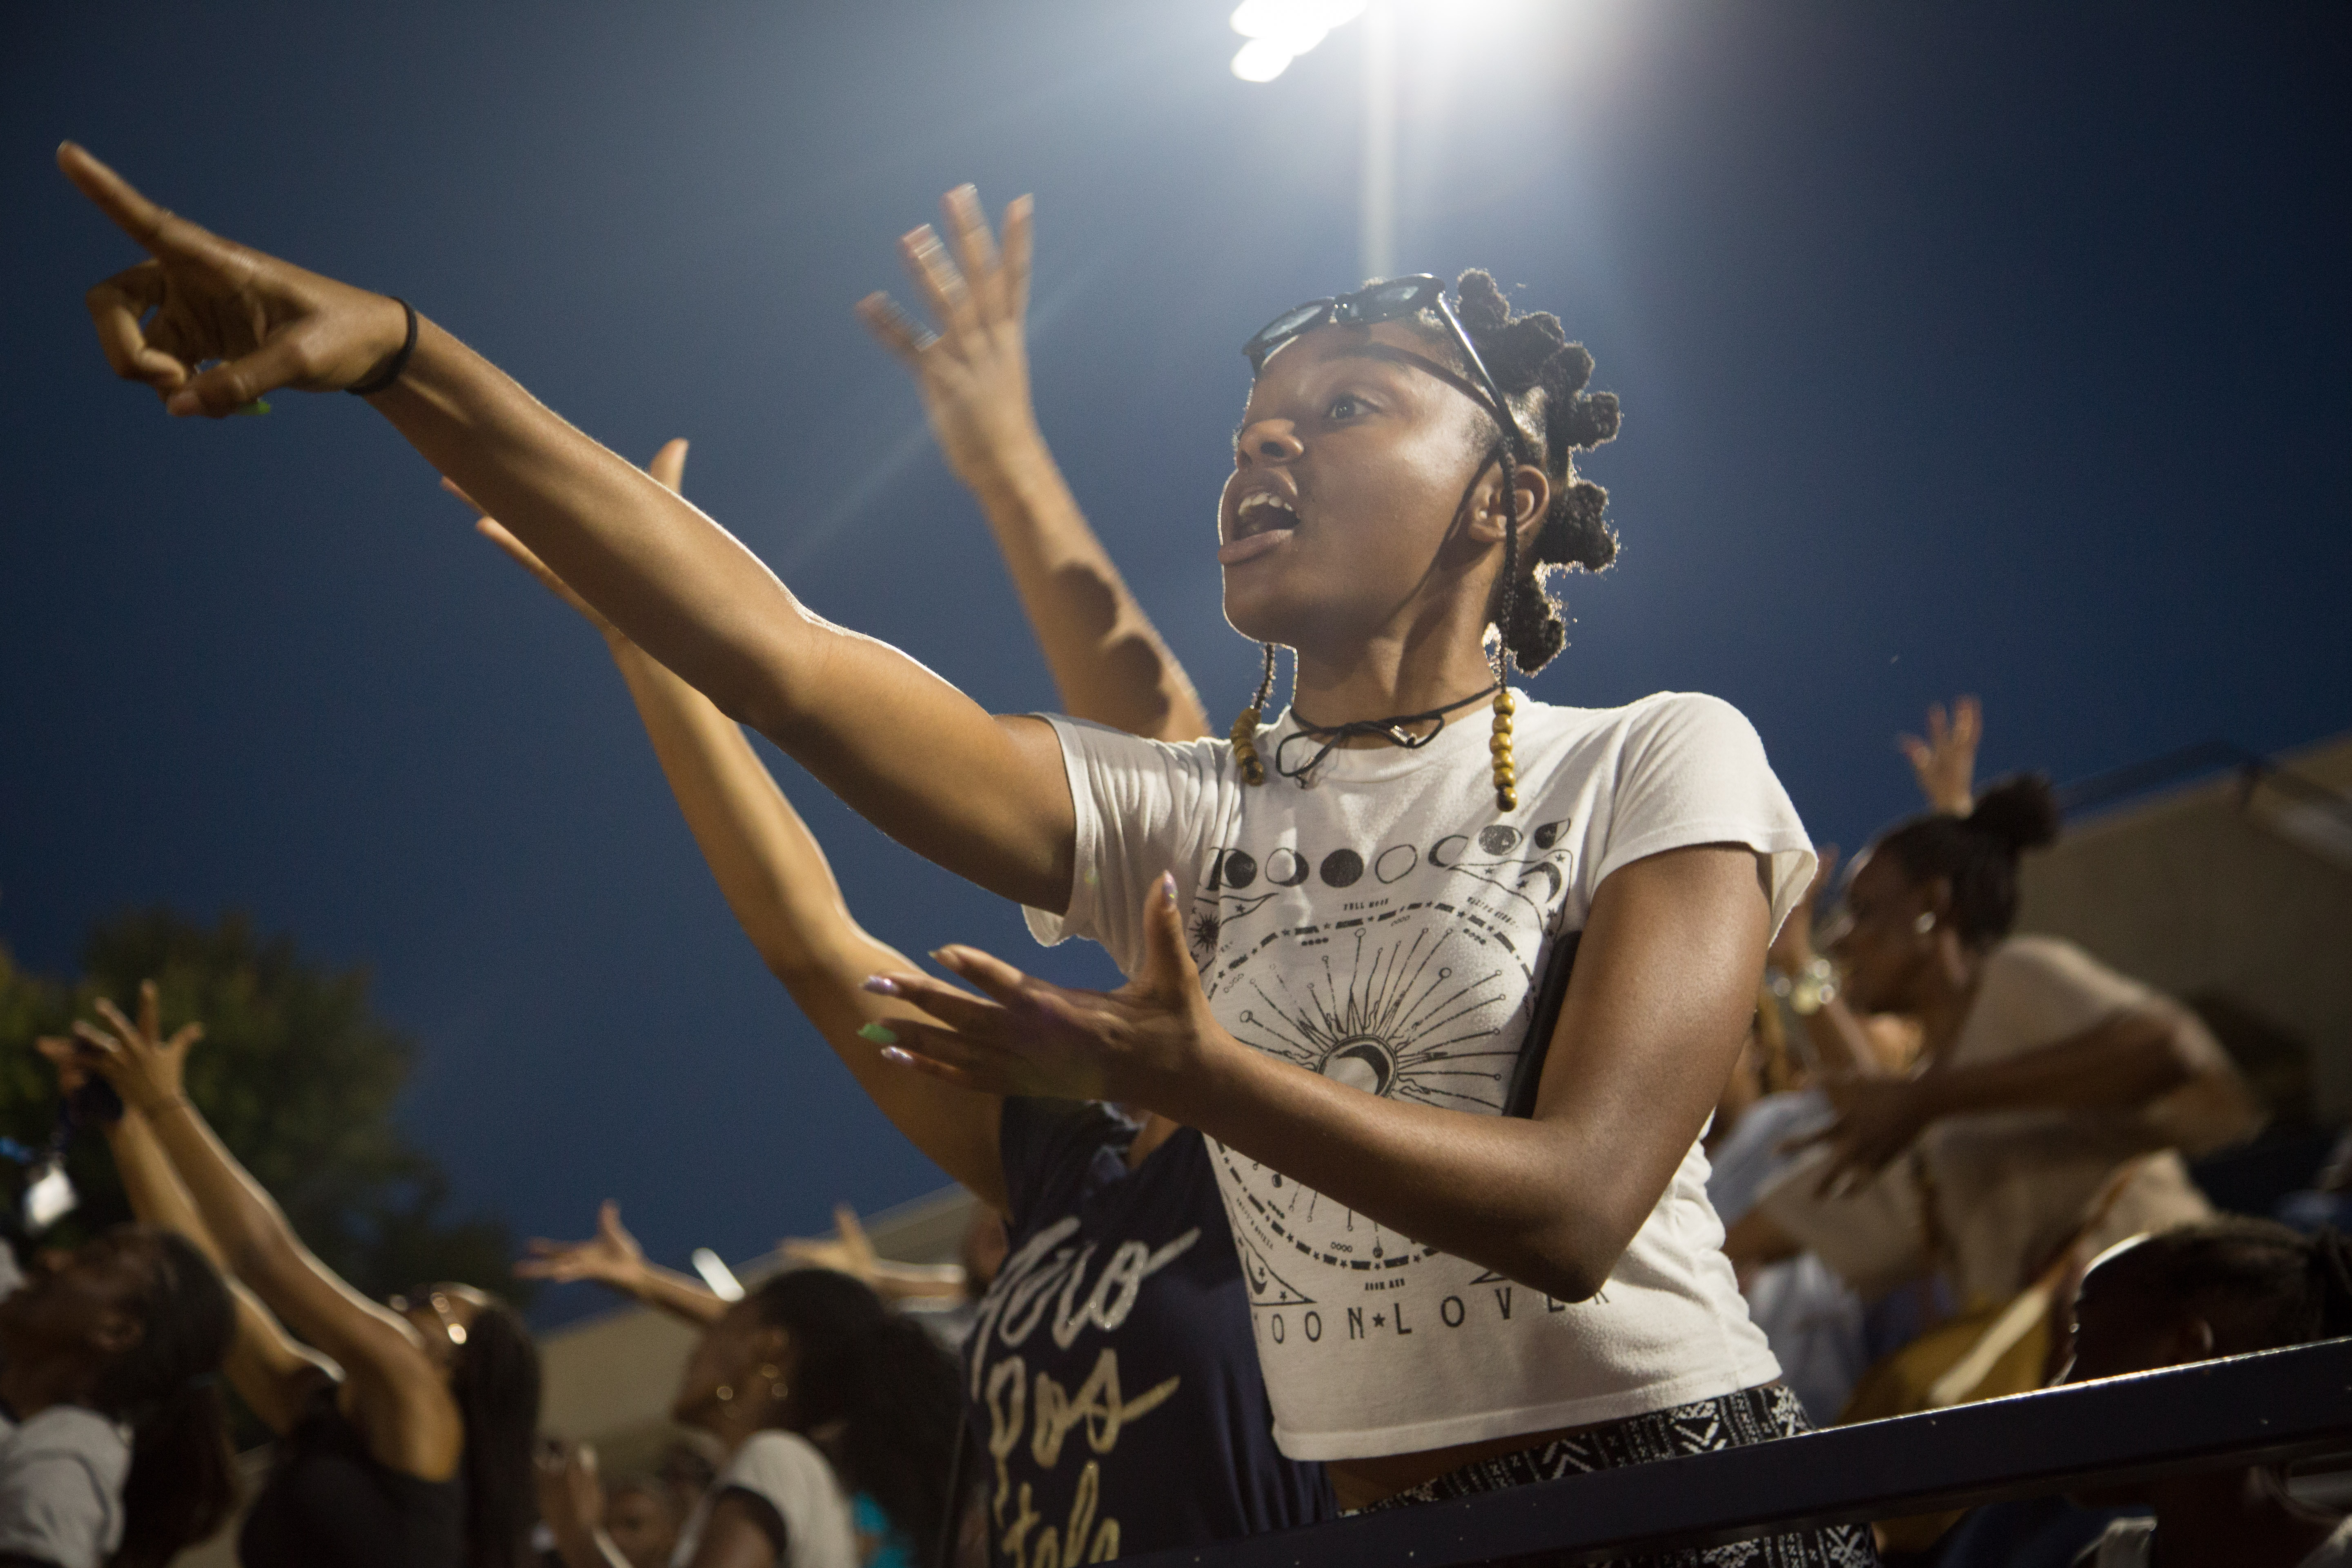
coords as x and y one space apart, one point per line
611 1256
144 1068
847 1251
974 373
1945 761
1140 1045
668 467
1878 1118
198 297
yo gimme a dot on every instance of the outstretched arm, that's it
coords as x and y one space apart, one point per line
272 1373
612 1258
783 892
1107 658
2130 1059
872 724
400 1399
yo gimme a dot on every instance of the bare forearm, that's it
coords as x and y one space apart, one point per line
1526 1198
248 1229
775 879
679 1295
769 866
156 1196
1107 659
2125 1062
680 587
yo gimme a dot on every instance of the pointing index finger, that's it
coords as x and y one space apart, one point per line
115 197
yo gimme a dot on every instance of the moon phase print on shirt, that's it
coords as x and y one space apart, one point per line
1403 971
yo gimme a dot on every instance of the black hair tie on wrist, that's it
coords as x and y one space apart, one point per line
390 373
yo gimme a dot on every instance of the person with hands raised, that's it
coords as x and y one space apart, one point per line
405 1440
837 1417
114 1449
1106 658
1068 1179
1402 487
2042 1076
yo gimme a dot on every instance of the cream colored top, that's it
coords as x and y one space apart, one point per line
2011 1188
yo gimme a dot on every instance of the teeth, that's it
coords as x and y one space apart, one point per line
1253 507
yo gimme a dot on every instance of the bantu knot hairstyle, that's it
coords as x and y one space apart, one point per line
2259 1285
1544 376
1977 852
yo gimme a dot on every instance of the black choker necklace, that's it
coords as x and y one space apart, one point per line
1392 730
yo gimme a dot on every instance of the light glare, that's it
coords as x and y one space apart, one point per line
1281 30
1260 60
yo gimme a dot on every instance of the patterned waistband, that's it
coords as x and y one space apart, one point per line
1755 1415
1733 1420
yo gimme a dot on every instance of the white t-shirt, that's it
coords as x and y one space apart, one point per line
1384 925
787 1470
61 1476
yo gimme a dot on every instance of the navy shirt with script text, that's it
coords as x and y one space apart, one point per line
1113 1381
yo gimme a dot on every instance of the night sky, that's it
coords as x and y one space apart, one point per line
1991 348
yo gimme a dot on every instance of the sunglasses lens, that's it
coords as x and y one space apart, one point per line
1395 296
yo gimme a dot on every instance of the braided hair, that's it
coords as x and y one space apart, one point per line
2259 1285
1544 376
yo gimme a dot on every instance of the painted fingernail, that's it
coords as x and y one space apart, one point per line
893 1054
881 985
878 1034
944 955
1167 886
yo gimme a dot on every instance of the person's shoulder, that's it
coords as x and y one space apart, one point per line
1105 740
2046 960
1661 713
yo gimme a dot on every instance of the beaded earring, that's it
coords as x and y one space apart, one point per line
1245 730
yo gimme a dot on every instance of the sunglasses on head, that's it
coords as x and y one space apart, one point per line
1392 300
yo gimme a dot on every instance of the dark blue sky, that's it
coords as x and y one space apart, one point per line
1992 347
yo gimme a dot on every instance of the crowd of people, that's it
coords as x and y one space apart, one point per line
1399 1167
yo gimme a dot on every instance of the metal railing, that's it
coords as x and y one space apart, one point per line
2242 1410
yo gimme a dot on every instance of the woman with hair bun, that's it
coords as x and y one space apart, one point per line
2040 1074
405 1436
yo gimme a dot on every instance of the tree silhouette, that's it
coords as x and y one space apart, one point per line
295 1073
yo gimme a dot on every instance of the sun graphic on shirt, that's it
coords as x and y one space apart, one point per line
1410 1014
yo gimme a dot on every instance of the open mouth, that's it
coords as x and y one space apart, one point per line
1262 523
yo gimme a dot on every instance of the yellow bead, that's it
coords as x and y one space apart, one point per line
1505 775
1502 723
1500 745
1504 701
1507 799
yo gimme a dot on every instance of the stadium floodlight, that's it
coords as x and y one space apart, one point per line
1279 31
